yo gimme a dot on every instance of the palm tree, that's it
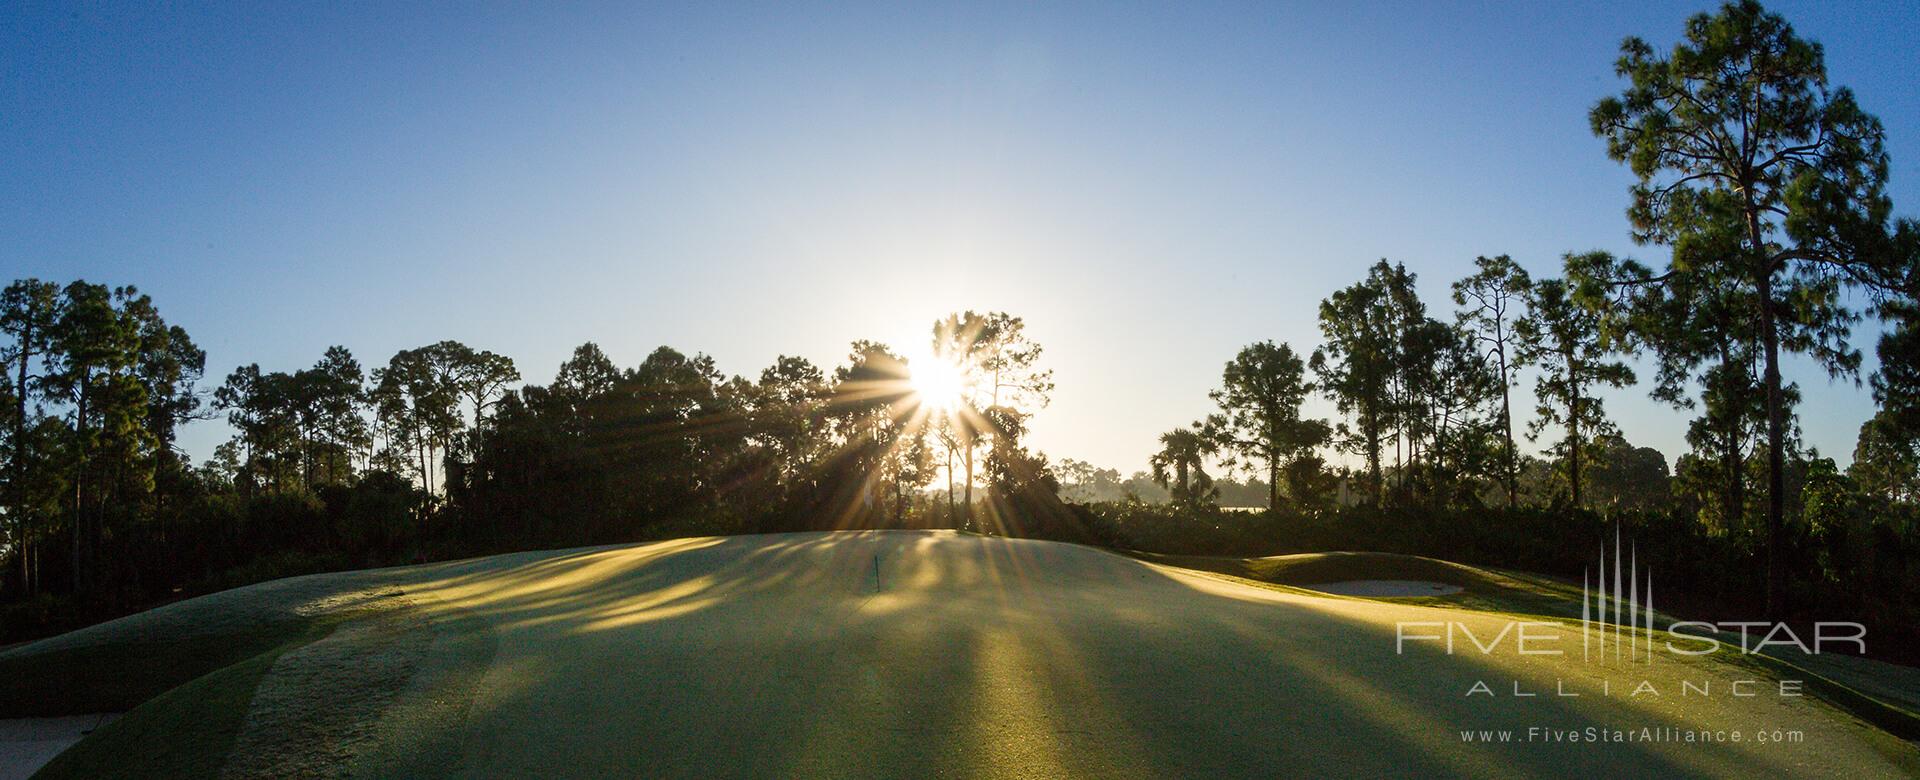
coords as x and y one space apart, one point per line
1179 466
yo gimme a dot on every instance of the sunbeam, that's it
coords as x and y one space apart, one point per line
940 384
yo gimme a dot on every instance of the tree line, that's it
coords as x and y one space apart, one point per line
1766 187
443 451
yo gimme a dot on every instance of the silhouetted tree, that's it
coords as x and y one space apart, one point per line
786 414
1459 386
416 400
1495 297
1356 365
1259 421
589 372
1623 476
1180 467
1737 140
480 375
1083 482
29 311
1562 337
998 364
1886 459
1384 364
1698 327
1887 456
331 397
870 410
93 352
297 430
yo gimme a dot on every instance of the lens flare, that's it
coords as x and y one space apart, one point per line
939 384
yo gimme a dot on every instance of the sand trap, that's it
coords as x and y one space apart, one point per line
26 744
1385 588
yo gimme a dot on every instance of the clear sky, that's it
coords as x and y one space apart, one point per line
1149 188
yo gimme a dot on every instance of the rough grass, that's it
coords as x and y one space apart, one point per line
151 741
319 707
118 677
1487 590
1883 694
116 665
407 713
187 674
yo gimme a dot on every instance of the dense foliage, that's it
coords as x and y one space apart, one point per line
1764 185
437 455
1852 555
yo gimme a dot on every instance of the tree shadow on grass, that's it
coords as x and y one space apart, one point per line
914 654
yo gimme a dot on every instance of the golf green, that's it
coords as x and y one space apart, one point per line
916 654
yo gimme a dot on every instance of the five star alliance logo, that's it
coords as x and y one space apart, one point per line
1618 624
1617 611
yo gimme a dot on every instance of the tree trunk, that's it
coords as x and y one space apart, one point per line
306 458
1373 460
968 487
472 454
1273 484
1736 498
1400 448
79 480
1776 457
1506 425
18 478
1736 482
1573 428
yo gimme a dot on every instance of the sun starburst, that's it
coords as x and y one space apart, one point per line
940 384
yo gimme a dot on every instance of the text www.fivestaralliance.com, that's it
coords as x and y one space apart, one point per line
1602 735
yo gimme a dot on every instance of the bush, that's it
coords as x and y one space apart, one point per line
1840 567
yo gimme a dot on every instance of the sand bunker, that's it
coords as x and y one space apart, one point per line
1385 588
26 744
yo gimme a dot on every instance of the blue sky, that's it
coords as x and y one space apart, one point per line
1150 187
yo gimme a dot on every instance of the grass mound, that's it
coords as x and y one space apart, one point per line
1886 695
898 654
117 665
1482 589
214 704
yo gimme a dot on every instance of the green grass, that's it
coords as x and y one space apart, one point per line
119 676
612 630
1876 692
117 665
185 699
1485 590
215 705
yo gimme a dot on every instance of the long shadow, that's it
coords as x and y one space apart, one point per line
900 653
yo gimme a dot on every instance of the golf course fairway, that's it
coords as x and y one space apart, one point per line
899 654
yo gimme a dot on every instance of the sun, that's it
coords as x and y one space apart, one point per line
939 384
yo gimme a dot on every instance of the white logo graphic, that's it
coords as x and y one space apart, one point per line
1617 610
